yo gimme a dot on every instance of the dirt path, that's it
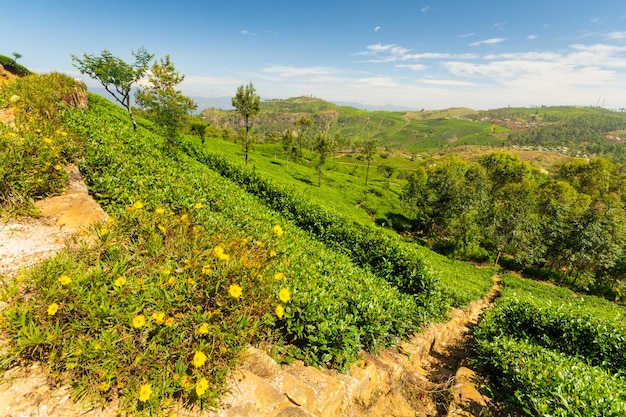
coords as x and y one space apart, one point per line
424 376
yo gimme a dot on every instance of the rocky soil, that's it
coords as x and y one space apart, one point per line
425 376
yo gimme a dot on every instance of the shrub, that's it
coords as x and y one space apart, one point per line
13 67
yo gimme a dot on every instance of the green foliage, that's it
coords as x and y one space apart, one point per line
544 382
34 152
247 104
13 67
575 333
554 352
115 75
163 104
31 167
40 98
188 263
364 244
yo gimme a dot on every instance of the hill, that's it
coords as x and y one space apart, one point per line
406 131
581 131
203 257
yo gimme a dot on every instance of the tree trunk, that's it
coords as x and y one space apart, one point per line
497 258
132 118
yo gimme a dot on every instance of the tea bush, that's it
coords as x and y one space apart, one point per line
544 382
580 335
190 270
553 352
366 245
13 67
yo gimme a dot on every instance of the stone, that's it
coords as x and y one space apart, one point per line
293 412
248 388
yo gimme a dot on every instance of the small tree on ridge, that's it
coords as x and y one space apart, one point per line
248 105
115 75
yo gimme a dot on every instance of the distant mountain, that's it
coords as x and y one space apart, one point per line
371 107
223 103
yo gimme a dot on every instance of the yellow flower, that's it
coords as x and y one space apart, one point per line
139 321
235 291
206 269
169 322
198 359
184 382
166 272
159 211
278 276
162 228
104 231
284 295
47 140
58 167
184 217
52 309
198 205
280 311
203 329
272 253
120 281
65 280
158 317
278 230
145 392
138 205
171 281
218 251
202 386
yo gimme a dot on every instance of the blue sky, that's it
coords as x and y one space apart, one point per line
431 54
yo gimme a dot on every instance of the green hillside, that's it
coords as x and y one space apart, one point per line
204 256
409 132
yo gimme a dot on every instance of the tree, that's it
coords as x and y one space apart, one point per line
303 124
504 168
165 106
115 75
369 149
199 128
17 55
323 145
248 105
514 227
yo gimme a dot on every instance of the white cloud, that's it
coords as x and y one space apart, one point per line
491 41
383 53
247 32
377 82
616 35
452 83
412 67
595 20
531 37
289 71
377 28
467 35
438 55
425 9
